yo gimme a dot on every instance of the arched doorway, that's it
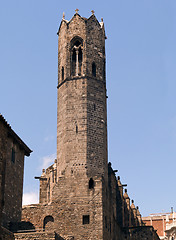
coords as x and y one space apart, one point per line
47 219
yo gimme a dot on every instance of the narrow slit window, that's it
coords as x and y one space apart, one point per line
86 219
76 128
13 155
53 176
94 107
93 69
49 189
91 183
79 61
74 62
104 69
62 73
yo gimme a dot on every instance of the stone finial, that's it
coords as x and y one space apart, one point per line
63 16
43 170
77 10
132 205
109 164
92 12
125 195
102 19
138 212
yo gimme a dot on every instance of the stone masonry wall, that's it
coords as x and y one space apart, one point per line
41 236
12 151
37 236
48 180
142 232
3 147
11 180
13 177
69 208
7 235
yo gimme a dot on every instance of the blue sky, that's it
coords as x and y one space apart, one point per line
141 70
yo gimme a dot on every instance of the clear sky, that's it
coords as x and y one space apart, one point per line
141 83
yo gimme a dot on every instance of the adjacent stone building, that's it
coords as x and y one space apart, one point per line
12 152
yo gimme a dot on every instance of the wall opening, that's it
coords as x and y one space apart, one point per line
62 73
46 220
79 61
49 190
76 56
76 128
53 176
104 69
73 62
13 155
91 183
86 219
93 69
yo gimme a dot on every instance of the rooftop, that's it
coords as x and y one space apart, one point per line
16 138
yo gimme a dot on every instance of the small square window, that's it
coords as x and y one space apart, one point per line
86 219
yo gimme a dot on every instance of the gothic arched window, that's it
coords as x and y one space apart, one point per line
93 69
76 56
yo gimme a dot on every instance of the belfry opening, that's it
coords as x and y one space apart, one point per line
76 56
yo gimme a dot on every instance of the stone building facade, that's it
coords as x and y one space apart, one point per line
80 196
12 152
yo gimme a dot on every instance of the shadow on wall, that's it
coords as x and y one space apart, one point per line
57 237
21 226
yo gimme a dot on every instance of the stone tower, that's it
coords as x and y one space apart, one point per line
82 166
81 114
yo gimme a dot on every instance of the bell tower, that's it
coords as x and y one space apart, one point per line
81 112
77 194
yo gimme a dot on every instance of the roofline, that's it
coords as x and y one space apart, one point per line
83 18
12 134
